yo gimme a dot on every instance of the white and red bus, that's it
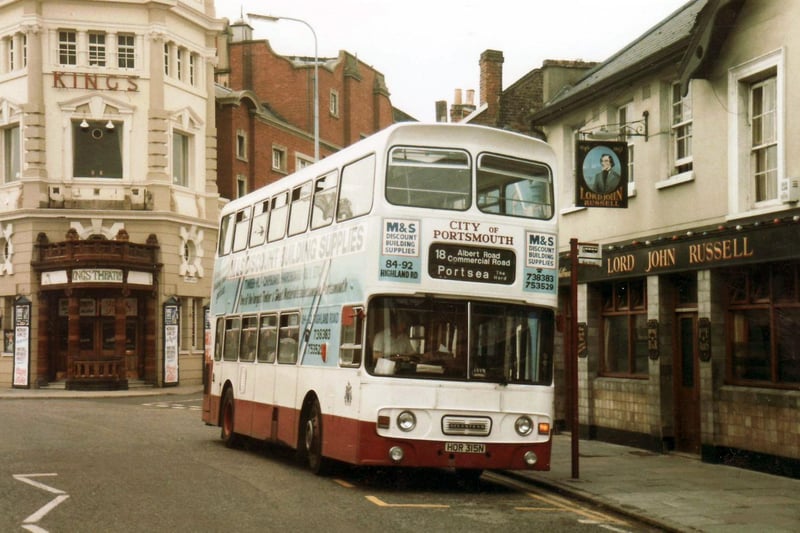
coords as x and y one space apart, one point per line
440 237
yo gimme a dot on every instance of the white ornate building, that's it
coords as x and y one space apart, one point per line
108 196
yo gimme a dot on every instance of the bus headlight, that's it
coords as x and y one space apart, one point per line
524 425
530 458
406 421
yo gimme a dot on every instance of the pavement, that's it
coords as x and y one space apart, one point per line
670 492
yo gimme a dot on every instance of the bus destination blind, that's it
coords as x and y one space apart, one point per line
471 263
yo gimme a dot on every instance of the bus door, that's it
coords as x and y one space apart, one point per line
285 388
264 421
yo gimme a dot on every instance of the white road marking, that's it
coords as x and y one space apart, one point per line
25 479
30 522
52 504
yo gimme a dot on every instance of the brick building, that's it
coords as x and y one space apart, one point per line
510 108
265 110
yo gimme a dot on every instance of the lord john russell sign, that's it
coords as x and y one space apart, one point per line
768 242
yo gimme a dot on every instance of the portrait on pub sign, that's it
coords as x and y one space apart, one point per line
602 174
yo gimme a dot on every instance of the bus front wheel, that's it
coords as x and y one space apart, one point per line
228 433
311 442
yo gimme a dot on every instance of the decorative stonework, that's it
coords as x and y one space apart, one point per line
97 228
6 249
190 253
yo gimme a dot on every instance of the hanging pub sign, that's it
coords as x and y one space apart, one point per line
601 172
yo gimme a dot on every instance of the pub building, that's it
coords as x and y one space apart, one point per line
712 315
687 331
108 198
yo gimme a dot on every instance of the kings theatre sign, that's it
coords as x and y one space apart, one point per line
95 81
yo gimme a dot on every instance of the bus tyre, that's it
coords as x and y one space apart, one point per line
311 443
227 433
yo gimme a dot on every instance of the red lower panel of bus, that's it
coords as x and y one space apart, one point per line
374 450
357 442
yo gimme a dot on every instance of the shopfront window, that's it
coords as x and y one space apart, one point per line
762 323
624 331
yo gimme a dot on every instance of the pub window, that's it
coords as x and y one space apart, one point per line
763 318
67 47
624 329
764 139
126 51
622 120
11 153
97 49
757 103
97 149
631 182
681 129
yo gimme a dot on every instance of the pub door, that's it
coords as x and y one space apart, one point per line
686 385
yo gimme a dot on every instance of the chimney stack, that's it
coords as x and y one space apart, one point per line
491 65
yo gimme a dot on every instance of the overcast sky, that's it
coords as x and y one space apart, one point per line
428 48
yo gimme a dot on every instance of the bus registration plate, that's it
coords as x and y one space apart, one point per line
464 447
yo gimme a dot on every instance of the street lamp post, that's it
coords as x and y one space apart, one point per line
316 72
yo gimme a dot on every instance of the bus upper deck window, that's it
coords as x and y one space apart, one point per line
300 208
514 187
241 230
356 189
324 200
429 177
258 228
278 215
225 236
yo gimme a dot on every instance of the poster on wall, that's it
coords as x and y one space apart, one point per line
171 329
601 174
21 343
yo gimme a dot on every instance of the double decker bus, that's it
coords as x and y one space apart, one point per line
393 304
